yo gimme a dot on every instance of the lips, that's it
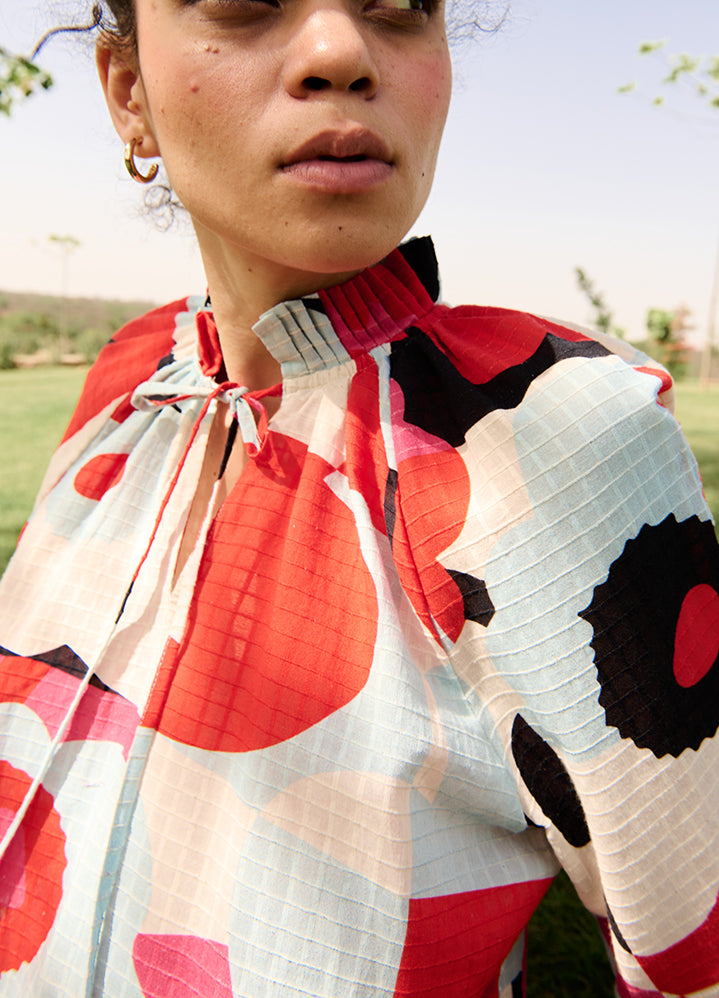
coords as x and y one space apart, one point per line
355 145
340 162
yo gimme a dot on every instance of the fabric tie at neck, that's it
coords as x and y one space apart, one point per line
245 406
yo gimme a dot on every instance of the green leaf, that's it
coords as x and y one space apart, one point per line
687 63
19 78
647 47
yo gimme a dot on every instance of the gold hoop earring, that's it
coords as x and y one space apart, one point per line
129 158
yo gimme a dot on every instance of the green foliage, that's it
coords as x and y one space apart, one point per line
659 325
25 333
699 73
66 243
90 341
667 331
49 328
602 317
7 357
19 78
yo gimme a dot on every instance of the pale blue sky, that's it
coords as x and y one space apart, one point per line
544 167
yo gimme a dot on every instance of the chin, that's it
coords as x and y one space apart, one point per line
346 248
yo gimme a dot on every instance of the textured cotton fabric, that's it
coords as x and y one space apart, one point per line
456 624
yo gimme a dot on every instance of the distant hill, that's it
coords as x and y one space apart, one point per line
37 328
77 311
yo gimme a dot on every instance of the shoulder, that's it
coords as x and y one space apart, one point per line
566 406
506 349
133 354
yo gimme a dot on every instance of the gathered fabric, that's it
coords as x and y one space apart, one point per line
456 626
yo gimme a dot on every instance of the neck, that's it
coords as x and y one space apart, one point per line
241 289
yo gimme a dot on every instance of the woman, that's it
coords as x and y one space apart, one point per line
344 617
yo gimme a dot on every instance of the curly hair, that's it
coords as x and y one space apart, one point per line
120 25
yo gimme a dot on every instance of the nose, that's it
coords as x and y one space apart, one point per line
329 52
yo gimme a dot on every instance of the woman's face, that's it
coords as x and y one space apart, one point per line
299 134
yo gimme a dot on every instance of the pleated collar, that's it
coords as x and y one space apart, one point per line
311 334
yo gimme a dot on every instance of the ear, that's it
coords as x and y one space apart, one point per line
126 99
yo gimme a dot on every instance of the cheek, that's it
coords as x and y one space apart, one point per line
430 82
196 93
175 95
430 86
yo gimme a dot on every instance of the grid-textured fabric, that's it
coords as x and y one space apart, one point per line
456 624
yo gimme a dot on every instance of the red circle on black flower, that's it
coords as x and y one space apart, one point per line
656 637
696 641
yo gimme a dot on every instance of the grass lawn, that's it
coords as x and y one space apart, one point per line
566 954
698 412
36 407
